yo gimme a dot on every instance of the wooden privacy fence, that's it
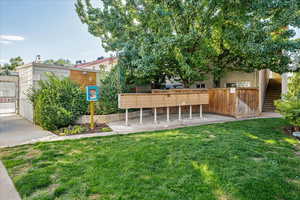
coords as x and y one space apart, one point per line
236 102
148 100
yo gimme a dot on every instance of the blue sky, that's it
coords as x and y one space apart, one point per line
50 28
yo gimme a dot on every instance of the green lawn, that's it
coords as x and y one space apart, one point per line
238 160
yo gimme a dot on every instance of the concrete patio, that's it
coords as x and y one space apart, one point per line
148 122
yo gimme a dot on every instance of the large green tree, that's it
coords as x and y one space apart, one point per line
190 39
12 65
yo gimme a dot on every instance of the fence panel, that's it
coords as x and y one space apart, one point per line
237 102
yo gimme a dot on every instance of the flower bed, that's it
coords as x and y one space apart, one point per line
82 129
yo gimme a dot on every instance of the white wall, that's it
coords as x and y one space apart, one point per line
284 82
25 83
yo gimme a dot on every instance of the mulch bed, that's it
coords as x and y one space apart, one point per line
288 130
98 129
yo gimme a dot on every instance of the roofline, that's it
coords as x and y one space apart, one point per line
34 64
96 62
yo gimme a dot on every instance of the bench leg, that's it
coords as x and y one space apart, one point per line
201 115
168 114
141 115
155 116
126 117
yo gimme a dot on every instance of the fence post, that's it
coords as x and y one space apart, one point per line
141 115
168 114
191 111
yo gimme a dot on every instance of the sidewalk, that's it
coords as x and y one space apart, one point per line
7 188
15 130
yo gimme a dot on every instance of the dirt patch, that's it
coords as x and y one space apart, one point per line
33 153
22 169
95 196
98 128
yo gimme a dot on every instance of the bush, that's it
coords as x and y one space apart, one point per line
57 102
289 106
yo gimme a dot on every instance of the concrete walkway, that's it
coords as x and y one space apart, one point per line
14 130
7 188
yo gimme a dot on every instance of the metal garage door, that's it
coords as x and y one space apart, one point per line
8 97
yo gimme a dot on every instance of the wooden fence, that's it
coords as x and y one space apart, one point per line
148 100
167 100
236 102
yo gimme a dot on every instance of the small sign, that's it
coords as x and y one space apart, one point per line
232 90
92 93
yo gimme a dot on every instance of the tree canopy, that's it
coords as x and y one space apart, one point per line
60 62
189 39
11 66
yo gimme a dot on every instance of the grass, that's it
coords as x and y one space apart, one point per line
238 160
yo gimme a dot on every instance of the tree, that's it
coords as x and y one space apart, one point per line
12 65
289 106
158 39
60 62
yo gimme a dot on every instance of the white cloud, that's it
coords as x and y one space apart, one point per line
5 42
11 37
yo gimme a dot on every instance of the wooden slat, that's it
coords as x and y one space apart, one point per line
160 100
242 103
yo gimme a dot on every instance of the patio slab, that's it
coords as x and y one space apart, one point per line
149 125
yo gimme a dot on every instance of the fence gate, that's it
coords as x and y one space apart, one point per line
8 94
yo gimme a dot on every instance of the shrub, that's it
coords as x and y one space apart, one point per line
57 102
289 106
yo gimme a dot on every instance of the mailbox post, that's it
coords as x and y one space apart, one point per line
92 95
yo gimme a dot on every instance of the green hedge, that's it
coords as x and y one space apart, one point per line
57 102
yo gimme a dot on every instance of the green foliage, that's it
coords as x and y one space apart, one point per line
60 62
13 63
190 39
106 129
112 84
289 106
57 102
71 130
